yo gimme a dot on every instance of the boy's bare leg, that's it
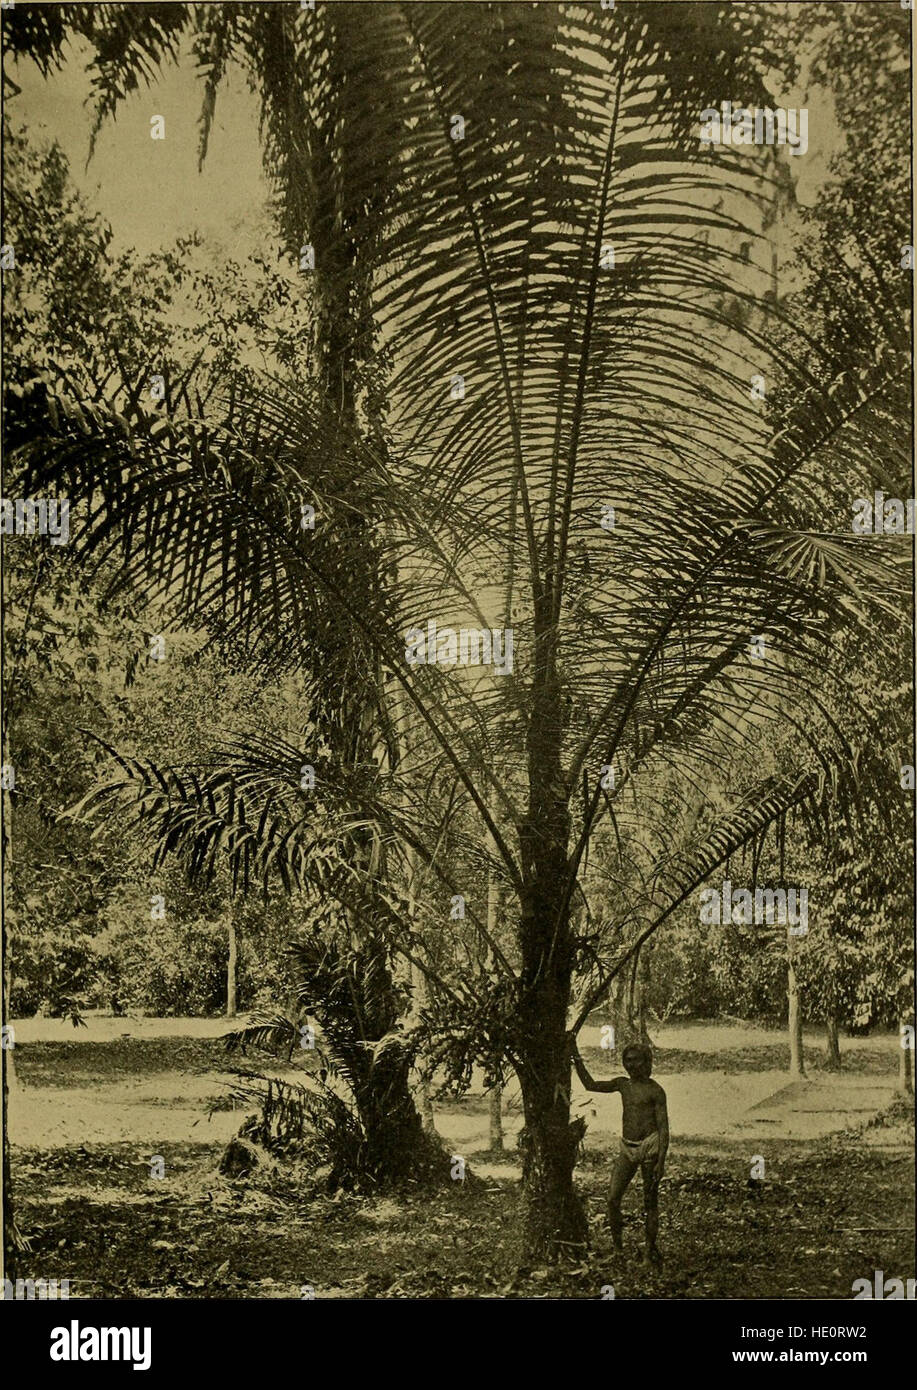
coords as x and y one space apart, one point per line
621 1175
651 1210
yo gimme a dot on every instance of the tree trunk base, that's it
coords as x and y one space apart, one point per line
832 1046
554 1225
241 1157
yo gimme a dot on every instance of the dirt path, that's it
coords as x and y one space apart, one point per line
171 1106
825 1213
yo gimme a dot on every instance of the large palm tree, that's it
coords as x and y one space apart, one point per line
556 239
329 194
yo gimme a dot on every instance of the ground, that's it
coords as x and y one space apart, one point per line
92 1107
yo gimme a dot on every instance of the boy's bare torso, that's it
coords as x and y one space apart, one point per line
640 1100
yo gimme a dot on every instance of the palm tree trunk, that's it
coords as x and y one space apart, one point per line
382 1090
343 318
395 1148
495 1101
554 1219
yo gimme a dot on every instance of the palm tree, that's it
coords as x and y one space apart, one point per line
572 297
331 194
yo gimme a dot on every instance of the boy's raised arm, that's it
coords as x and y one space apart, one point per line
587 1080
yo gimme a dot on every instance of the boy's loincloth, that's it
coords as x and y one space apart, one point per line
639 1150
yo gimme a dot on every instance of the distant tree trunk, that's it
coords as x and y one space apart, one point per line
496 1120
797 1062
833 1062
231 968
629 1004
905 1061
419 998
620 1010
641 979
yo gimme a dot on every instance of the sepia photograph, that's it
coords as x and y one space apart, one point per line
458 765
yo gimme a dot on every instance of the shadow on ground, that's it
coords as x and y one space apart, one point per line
815 1223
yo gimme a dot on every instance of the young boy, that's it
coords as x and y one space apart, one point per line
645 1141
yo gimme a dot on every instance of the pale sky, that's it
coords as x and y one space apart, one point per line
150 190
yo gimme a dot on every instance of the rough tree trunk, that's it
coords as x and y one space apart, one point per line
495 1109
797 1062
832 1043
395 1146
343 315
554 1219
495 1104
353 995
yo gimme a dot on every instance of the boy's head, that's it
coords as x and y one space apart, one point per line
638 1061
